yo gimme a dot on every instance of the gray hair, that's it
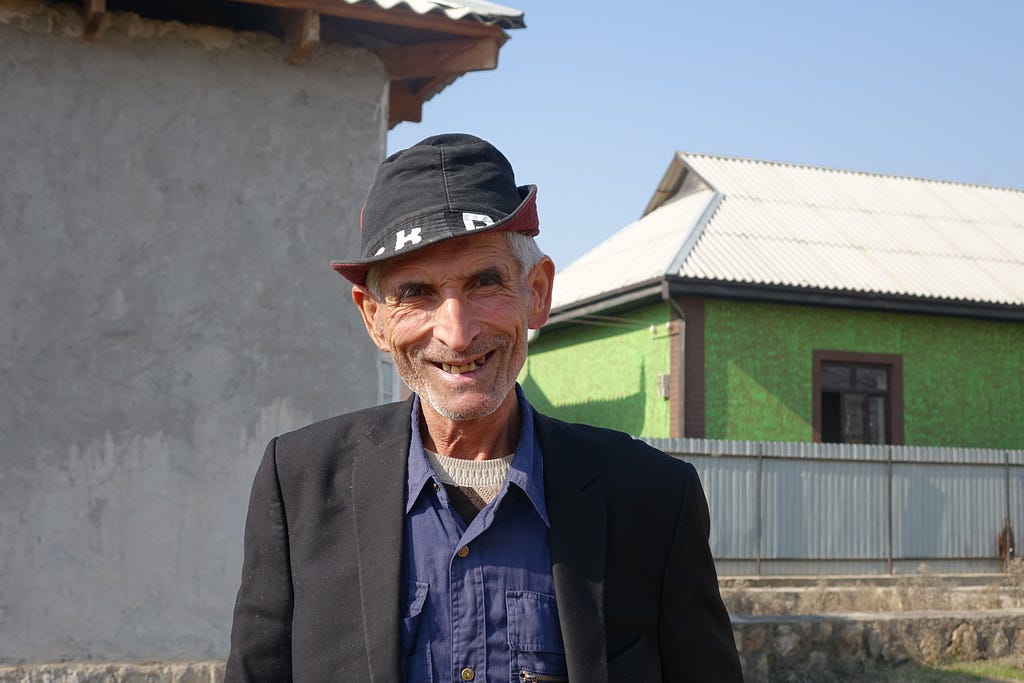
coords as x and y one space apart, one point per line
524 248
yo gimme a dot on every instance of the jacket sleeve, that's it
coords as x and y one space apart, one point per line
696 637
262 623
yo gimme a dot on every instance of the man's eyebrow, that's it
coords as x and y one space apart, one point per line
404 285
489 270
411 282
492 271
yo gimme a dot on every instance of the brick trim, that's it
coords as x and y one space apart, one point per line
687 392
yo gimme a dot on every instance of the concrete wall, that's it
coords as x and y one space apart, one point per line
169 200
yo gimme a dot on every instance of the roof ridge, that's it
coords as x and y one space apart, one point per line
685 155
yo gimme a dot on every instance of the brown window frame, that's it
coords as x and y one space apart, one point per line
895 364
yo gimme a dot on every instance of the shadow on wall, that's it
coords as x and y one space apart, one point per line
627 414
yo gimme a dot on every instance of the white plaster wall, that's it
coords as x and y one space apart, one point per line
169 201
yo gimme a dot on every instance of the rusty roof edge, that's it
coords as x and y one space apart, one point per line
481 11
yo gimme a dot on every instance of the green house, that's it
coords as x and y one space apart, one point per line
774 302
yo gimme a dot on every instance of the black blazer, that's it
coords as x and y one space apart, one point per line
635 583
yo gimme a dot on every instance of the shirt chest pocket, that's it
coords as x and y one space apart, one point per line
534 638
414 639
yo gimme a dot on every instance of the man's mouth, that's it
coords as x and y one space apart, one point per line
468 367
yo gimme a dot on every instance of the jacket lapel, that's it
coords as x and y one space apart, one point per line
578 545
378 505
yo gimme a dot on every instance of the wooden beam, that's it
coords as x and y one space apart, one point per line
397 16
440 57
403 104
302 34
94 11
435 85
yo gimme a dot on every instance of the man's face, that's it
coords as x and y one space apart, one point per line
454 317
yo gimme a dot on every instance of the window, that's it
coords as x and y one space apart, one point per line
858 398
389 385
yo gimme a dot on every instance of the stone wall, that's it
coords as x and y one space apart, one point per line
179 672
820 648
847 647
170 197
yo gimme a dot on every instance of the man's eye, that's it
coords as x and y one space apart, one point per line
488 279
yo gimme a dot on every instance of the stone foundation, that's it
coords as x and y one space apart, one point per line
820 648
72 672
847 647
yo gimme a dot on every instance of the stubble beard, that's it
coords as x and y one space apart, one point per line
502 349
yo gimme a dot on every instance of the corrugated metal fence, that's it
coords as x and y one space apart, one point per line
807 508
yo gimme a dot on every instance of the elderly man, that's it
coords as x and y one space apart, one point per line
461 535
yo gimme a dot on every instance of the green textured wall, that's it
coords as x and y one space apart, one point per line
605 376
963 380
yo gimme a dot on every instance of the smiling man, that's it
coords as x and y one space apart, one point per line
461 535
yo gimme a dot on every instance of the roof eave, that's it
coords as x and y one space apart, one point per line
813 296
419 70
628 297
649 292
423 47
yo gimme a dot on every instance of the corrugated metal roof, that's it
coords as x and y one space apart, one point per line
478 10
626 258
808 227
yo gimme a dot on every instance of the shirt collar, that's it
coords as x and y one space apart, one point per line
526 472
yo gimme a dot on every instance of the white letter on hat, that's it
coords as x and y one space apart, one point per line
401 239
475 221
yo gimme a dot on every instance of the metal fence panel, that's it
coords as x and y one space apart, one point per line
730 485
826 508
947 511
823 510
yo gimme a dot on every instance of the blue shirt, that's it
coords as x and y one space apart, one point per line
478 600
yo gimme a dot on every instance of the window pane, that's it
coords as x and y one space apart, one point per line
853 418
871 378
831 417
835 376
876 419
385 379
854 401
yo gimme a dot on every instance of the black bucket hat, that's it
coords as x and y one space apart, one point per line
443 187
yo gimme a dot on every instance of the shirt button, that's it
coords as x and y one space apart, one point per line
463 552
467 674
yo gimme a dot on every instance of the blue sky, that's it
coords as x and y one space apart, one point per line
592 99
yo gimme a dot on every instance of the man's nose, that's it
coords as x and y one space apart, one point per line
454 323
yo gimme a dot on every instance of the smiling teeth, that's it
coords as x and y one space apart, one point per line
459 369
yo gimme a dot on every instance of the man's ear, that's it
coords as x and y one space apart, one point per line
368 306
540 281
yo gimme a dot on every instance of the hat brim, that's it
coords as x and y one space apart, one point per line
523 219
